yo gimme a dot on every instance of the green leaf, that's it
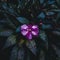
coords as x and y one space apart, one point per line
56 32
14 53
6 32
11 40
46 26
41 1
23 20
18 29
42 55
32 46
21 3
21 54
4 5
41 15
42 35
58 2
44 38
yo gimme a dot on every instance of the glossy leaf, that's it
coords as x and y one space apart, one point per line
21 53
58 2
41 15
11 40
42 55
18 29
56 33
43 36
51 1
4 5
41 1
3 21
11 10
50 13
32 46
11 23
22 20
14 53
48 26
21 3
6 33
21 42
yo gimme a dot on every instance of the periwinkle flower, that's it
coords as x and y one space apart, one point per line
29 31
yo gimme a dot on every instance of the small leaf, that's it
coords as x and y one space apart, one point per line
42 55
3 21
4 5
21 3
58 2
10 22
41 15
21 42
21 54
43 36
50 13
10 41
18 29
14 53
57 50
56 32
41 1
51 1
11 10
48 26
32 46
6 33
22 20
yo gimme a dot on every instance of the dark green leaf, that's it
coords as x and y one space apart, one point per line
21 3
10 41
4 5
42 55
41 1
56 33
14 53
18 29
21 54
32 46
43 36
46 26
22 20
41 15
5 33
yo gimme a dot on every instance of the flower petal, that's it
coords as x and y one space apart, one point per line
29 36
35 30
24 27
34 33
29 26
24 32
34 26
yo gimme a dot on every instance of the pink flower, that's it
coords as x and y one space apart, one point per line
29 31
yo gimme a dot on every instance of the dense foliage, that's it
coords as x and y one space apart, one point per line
45 14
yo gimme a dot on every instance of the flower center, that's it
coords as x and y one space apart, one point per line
28 29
